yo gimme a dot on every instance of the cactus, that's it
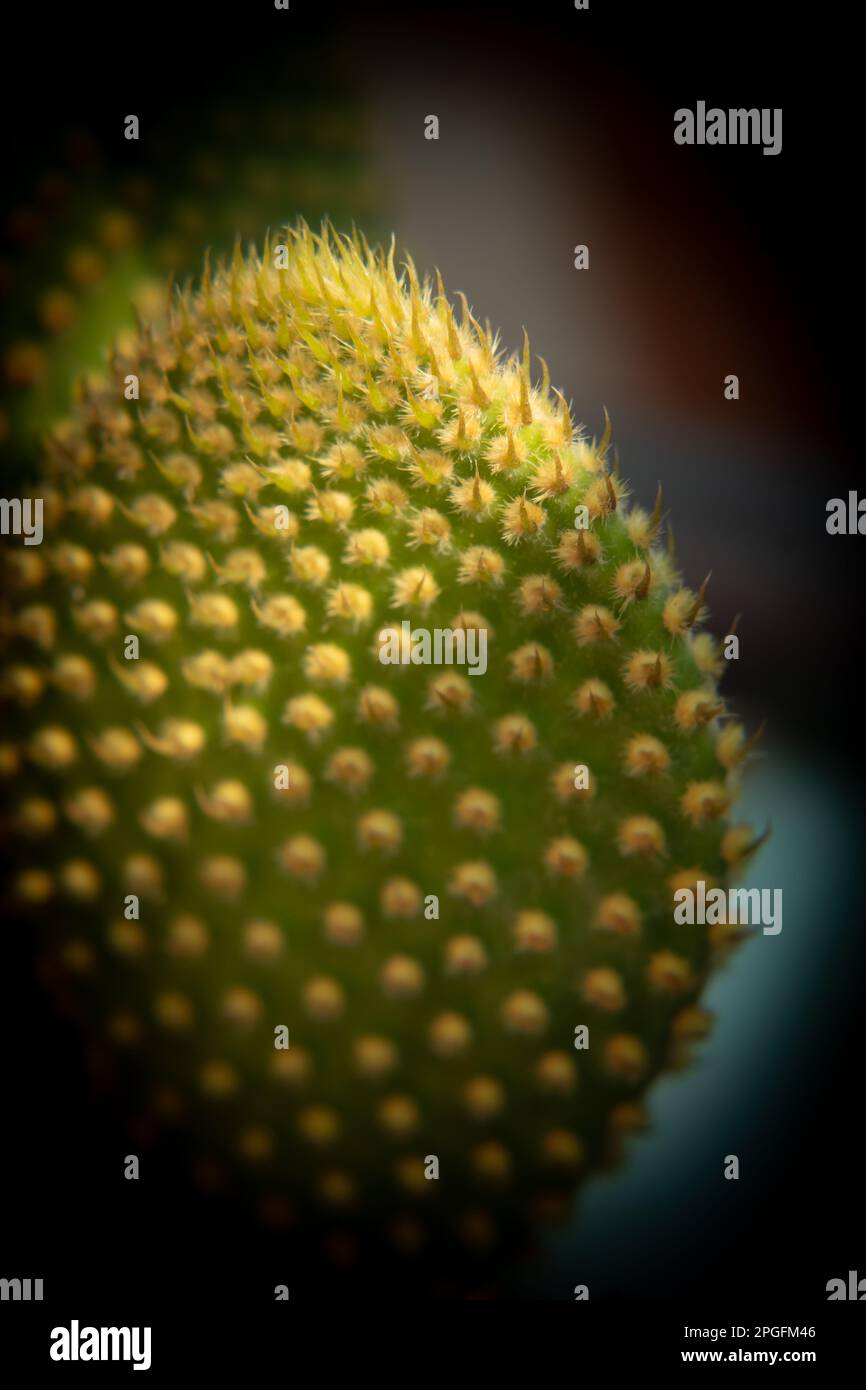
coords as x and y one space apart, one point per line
441 884
89 248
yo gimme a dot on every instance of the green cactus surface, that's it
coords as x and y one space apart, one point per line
454 890
91 246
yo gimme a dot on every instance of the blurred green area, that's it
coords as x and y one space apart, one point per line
96 238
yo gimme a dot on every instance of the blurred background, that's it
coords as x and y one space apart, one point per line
555 129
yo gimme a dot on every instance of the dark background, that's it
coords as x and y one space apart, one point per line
556 128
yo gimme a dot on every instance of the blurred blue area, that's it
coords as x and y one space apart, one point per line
748 1078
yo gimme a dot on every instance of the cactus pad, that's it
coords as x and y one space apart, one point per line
454 890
